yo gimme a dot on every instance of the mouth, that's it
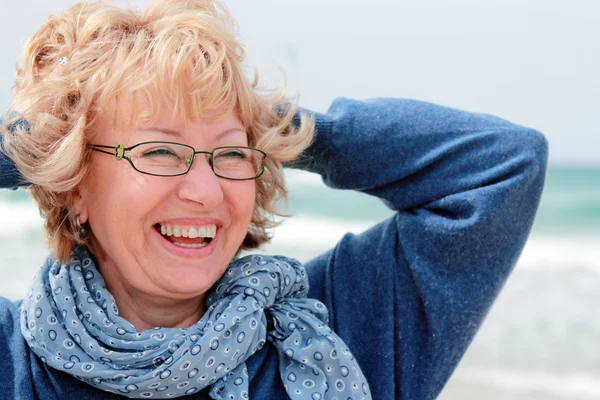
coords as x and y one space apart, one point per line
187 236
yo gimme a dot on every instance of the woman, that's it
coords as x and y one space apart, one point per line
154 162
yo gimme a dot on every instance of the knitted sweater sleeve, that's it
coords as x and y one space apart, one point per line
409 294
10 177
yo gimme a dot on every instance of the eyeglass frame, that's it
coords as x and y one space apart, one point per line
119 153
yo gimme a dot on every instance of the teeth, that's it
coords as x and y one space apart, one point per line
191 245
191 232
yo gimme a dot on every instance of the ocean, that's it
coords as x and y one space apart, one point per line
541 339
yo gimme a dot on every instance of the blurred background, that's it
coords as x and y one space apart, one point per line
536 63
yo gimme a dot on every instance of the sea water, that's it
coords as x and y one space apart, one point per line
541 339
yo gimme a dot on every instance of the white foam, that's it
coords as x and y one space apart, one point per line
296 177
576 386
313 234
326 231
19 219
540 252
561 252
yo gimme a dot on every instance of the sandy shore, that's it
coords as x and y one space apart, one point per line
459 389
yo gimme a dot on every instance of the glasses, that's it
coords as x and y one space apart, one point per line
173 159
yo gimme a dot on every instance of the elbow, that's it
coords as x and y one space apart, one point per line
533 150
523 169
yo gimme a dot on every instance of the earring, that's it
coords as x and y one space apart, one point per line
80 231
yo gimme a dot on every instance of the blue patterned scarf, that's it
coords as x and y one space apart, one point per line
72 323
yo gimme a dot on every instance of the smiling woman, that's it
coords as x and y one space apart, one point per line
155 162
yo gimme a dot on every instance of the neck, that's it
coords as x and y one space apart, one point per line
147 312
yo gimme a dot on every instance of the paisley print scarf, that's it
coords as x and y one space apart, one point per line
71 321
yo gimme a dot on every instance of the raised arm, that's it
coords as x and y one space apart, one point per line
10 177
409 294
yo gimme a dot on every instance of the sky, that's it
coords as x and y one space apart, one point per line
534 62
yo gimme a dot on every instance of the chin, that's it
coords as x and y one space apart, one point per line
187 282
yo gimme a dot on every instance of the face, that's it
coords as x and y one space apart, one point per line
132 214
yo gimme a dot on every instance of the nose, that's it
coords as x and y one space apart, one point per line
201 185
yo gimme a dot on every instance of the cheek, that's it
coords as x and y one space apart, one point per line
116 199
248 198
138 191
241 198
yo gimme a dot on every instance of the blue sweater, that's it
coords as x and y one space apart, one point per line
408 295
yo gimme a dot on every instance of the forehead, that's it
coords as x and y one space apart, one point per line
124 116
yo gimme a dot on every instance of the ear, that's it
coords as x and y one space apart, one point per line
79 207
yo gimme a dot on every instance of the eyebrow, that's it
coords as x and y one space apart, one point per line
178 134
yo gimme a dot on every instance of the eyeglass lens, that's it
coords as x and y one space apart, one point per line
175 159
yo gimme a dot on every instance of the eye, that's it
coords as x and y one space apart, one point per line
232 154
160 152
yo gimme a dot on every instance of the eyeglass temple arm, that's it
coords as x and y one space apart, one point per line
99 148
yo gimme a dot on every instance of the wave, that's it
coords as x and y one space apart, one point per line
310 235
18 219
562 252
297 177
540 253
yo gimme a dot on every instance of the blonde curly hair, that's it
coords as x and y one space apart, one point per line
180 54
